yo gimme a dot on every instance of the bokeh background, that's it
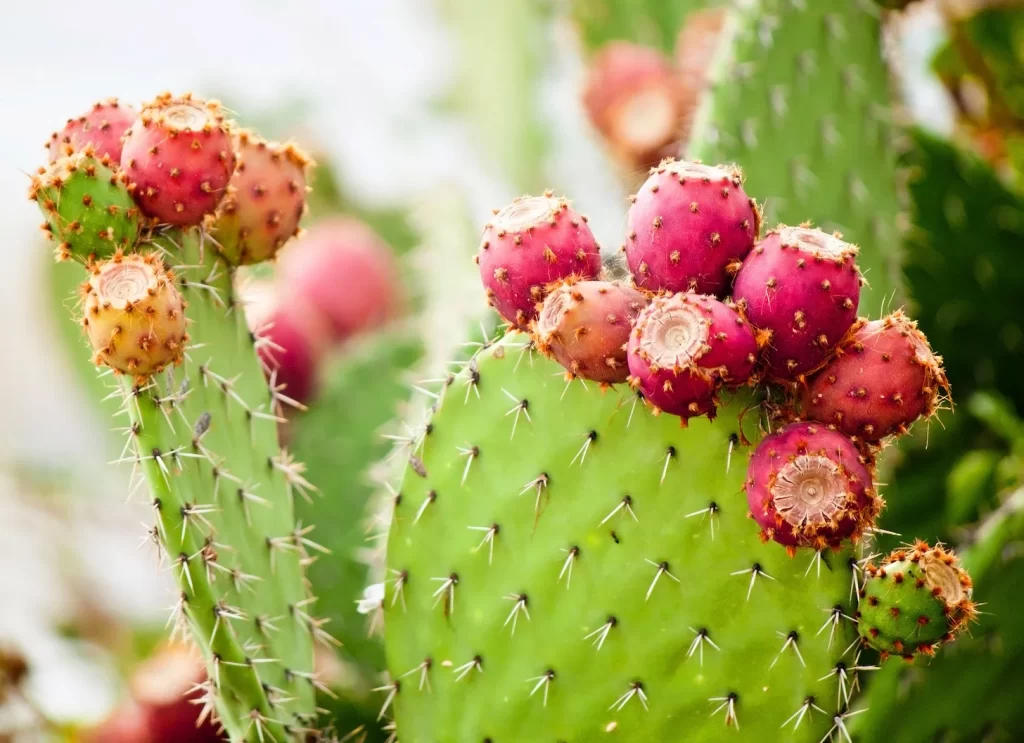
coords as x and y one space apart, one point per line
423 115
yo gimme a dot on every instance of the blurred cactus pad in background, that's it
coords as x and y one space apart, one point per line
684 469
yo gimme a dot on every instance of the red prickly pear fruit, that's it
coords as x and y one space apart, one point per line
585 325
346 273
883 378
265 201
689 226
291 339
102 128
126 724
686 347
801 287
134 315
634 98
165 687
808 486
530 244
695 48
179 157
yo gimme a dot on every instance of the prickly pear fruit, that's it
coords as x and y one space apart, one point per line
101 128
882 379
167 687
592 555
528 245
267 198
346 273
585 325
689 225
802 286
88 208
179 157
633 97
808 486
684 348
917 599
134 315
289 352
695 48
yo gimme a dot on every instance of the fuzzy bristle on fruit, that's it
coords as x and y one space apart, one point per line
179 156
917 599
585 326
265 201
883 378
801 286
684 348
134 315
808 486
529 245
689 226
101 128
633 96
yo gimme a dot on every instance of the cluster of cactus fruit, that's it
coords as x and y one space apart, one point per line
715 318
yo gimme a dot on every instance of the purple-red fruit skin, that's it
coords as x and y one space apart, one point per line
346 273
292 358
532 242
808 486
883 378
179 157
801 285
101 128
684 348
585 326
689 226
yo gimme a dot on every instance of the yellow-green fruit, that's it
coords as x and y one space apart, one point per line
134 315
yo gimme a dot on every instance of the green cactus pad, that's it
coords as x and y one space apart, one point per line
88 208
800 97
205 434
563 564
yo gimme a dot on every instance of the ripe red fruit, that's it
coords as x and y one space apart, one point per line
530 244
165 689
883 378
344 272
101 128
689 225
802 286
808 486
685 348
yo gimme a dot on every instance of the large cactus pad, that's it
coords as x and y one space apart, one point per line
563 564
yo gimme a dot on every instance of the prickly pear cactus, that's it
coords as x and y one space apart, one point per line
565 564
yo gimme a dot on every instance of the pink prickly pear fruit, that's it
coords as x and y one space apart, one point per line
126 724
291 339
801 287
265 201
883 377
530 244
690 226
164 687
695 48
808 486
585 326
684 348
634 98
102 128
179 157
344 271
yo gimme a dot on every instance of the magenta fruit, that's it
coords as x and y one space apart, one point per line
166 687
689 226
585 326
808 486
531 243
266 200
102 128
801 286
633 97
346 273
882 379
179 158
686 347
